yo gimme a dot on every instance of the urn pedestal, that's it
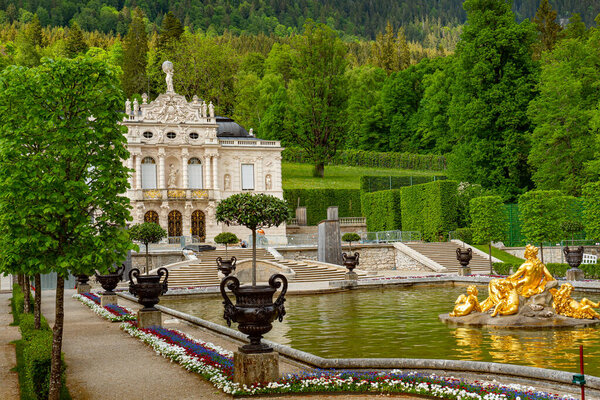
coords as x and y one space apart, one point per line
251 368
351 261
148 289
82 284
109 282
574 257
464 257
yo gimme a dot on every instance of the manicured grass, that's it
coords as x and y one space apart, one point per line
500 254
299 176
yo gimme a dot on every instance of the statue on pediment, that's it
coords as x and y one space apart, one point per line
167 67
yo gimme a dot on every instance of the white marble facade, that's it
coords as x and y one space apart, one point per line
186 160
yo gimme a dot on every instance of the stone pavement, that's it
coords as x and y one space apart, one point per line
9 381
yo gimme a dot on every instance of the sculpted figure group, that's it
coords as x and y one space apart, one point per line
530 280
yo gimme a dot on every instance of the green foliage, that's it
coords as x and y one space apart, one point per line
591 213
75 43
135 49
38 355
501 254
427 162
147 232
383 210
170 31
571 226
542 213
350 237
252 210
430 208
377 183
226 238
17 302
488 219
547 27
463 234
557 270
26 326
316 202
467 192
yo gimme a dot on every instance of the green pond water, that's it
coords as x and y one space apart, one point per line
403 322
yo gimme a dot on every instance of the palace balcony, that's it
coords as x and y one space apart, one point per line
172 194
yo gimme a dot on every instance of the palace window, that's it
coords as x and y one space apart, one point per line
247 176
171 135
195 173
148 135
148 173
194 135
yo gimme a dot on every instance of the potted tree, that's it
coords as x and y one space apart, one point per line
228 265
148 287
254 310
350 261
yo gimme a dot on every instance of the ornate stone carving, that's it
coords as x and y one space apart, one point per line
152 194
200 194
211 109
227 184
145 98
128 107
268 182
171 108
172 182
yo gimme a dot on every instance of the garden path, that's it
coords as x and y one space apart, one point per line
9 386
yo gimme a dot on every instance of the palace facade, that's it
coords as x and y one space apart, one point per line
186 160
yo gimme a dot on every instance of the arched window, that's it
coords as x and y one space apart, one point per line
195 173
151 216
148 173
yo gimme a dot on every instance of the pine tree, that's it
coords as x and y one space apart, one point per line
403 50
576 28
170 31
384 52
75 43
548 29
135 56
34 32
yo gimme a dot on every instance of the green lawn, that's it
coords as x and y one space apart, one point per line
500 254
299 176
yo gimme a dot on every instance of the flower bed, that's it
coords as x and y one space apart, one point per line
111 312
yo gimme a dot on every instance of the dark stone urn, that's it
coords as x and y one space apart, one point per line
226 266
254 309
148 287
464 256
350 261
573 255
110 281
82 279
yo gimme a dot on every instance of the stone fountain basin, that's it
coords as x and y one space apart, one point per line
523 320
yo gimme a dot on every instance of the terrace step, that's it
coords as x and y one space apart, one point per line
445 254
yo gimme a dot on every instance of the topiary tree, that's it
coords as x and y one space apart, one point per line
226 238
351 237
488 221
147 233
253 211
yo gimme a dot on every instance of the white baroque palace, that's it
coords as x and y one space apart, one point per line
186 160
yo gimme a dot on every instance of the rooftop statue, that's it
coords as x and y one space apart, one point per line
167 67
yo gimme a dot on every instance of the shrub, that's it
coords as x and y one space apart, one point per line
464 234
316 202
488 219
16 302
226 238
376 183
38 356
542 212
430 208
382 210
351 237
502 268
558 270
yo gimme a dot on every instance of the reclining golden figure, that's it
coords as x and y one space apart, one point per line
464 305
569 307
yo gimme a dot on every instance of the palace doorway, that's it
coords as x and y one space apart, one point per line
175 224
198 226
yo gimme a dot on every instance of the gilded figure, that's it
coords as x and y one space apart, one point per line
465 304
532 276
565 305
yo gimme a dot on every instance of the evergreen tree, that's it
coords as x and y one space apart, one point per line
135 56
403 50
34 32
75 43
576 27
170 31
548 29
495 80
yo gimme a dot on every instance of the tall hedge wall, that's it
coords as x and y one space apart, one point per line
430 208
316 202
542 212
375 183
383 210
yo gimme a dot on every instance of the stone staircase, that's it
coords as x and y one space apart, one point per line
203 272
445 254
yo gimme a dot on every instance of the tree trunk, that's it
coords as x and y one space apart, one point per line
37 307
254 257
147 261
491 265
27 295
226 250
57 335
542 251
319 170
21 281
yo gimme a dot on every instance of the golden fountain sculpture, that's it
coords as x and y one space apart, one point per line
530 280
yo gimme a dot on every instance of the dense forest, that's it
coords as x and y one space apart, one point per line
360 18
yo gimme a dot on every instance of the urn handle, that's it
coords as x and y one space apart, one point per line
233 261
134 273
275 284
163 271
232 283
219 261
356 255
120 271
344 256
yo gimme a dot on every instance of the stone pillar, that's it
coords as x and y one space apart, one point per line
251 368
161 168
215 171
149 318
329 242
138 171
184 168
260 176
301 216
332 213
107 299
207 179
575 274
131 174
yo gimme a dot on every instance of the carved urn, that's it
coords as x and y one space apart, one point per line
464 256
226 266
350 261
110 281
148 287
254 310
573 255
82 279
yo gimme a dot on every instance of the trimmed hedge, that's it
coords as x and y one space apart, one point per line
591 212
360 158
316 202
370 183
383 210
430 208
558 270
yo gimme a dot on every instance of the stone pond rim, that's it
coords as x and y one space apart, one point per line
517 321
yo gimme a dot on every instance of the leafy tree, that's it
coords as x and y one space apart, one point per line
317 97
147 232
542 213
591 210
75 43
253 211
226 238
488 221
350 237
495 80
62 174
548 29
135 49
576 28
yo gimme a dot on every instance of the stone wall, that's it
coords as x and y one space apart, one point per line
373 257
157 259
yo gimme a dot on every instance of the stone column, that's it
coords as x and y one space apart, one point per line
215 171
161 168
260 178
329 242
131 174
138 171
206 169
184 168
